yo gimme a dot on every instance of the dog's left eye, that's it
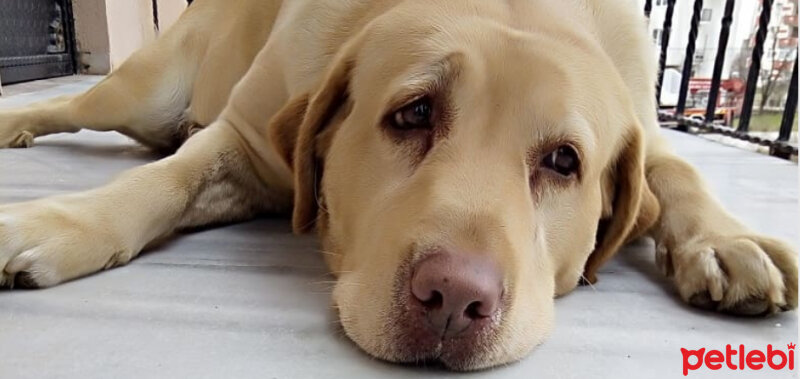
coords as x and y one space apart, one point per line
416 115
563 160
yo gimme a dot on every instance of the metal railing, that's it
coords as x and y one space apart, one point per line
780 146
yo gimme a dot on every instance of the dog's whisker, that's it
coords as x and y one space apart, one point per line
331 285
352 284
316 194
329 253
312 222
586 280
341 272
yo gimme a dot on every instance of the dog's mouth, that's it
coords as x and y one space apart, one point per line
452 353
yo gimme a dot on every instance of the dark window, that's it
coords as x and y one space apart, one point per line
35 39
657 36
705 15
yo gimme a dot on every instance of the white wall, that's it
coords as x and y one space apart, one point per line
130 26
109 31
169 11
91 33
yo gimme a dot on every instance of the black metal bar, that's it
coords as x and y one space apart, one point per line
755 66
648 7
790 109
155 14
72 43
689 58
719 63
69 35
662 60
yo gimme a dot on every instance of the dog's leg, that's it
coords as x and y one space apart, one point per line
144 99
209 180
715 261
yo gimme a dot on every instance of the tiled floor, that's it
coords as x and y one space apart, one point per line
249 300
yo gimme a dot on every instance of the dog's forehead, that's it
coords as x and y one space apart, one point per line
518 86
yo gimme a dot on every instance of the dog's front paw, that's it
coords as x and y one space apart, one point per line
743 275
43 243
12 133
22 139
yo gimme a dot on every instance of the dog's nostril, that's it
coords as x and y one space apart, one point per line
473 310
435 301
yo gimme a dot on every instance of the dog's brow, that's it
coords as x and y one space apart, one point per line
573 128
579 129
431 79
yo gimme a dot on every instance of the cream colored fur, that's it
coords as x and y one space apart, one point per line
292 95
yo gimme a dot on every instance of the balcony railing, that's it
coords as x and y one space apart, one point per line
779 146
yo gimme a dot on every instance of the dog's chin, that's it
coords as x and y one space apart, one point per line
452 354
447 354
400 342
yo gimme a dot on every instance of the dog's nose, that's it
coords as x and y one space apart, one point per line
456 290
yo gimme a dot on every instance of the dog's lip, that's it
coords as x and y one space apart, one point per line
448 353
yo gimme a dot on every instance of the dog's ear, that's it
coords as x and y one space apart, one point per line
649 211
285 126
628 204
302 132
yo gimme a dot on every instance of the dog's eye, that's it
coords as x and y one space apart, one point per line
416 115
563 160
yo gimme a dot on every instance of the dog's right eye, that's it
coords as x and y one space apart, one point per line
564 160
416 115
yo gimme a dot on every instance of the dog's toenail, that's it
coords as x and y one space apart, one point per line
757 306
703 300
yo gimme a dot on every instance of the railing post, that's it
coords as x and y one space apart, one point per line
70 34
790 109
719 63
662 60
648 7
155 16
755 67
687 64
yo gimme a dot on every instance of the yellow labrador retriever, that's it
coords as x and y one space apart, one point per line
463 162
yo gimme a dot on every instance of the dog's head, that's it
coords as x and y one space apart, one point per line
456 171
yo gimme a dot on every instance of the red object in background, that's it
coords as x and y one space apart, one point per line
733 92
736 85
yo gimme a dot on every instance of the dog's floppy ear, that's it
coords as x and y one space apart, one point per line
285 126
628 204
304 148
649 211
